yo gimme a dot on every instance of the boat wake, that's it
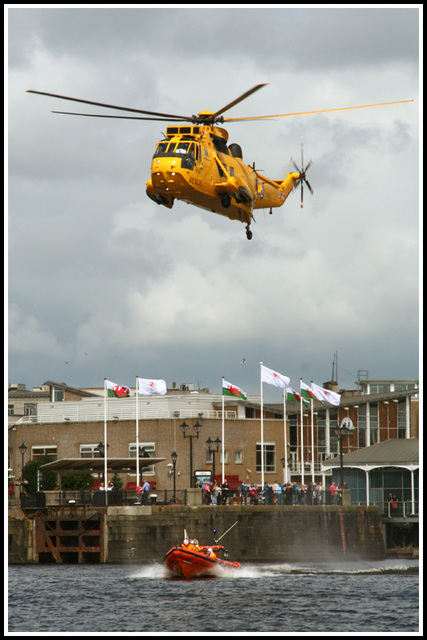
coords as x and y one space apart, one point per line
157 571
347 568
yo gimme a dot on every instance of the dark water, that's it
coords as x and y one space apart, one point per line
362 597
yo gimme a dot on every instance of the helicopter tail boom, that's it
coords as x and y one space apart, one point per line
273 193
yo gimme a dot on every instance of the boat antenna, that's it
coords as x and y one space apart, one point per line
233 525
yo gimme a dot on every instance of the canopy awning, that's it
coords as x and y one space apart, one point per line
402 452
96 465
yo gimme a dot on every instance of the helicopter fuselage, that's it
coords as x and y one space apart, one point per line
194 164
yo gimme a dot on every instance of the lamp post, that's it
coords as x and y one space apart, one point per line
174 456
346 428
101 449
22 450
211 450
197 427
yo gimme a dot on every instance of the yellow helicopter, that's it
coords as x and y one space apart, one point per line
195 163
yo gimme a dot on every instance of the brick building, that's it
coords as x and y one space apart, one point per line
69 423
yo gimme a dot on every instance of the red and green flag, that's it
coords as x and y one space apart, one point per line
229 389
294 396
307 392
116 390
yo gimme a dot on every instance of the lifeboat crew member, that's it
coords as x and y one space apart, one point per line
194 545
211 553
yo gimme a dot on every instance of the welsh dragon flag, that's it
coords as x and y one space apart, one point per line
294 396
116 391
306 391
229 389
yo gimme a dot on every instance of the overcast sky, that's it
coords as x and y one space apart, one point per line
102 282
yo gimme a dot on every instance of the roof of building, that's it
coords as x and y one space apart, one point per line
63 385
93 465
393 453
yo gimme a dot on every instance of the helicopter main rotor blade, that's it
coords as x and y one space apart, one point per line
110 106
98 115
308 185
242 97
305 113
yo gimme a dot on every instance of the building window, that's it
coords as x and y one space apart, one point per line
30 409
89 451
58 395
333 424
225 453
11 409
146 450
238 457
361 423
321 433
373 423
401 418
39 452
379 388
269 457
293 433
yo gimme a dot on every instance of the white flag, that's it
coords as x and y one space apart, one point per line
272 377
152 387
325 394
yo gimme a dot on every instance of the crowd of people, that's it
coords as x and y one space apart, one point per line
287 493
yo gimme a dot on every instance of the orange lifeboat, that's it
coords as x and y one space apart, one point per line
190 560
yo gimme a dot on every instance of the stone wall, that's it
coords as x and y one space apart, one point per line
267 534
137 534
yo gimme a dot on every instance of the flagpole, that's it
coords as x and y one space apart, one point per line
222 432
285 435
137 431
262 433
105 441
302 439
312 438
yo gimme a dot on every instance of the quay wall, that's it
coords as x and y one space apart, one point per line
143 534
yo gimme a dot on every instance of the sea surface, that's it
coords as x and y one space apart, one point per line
273 599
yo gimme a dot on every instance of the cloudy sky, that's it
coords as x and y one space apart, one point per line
102 282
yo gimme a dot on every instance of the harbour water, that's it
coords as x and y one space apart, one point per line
273 599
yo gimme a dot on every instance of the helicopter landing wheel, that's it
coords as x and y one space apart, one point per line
248 233
225 200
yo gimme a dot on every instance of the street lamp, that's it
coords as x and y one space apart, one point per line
101 449
22 450
174 456
184 427
212 451
346 428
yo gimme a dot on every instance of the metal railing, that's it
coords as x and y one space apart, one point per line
118 415
295 468
44 499
403 509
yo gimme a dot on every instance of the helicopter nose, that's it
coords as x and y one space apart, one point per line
165 179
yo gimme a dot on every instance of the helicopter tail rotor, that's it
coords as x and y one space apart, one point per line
302 173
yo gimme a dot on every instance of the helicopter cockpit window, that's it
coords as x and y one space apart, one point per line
184 150
161 149
182 147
